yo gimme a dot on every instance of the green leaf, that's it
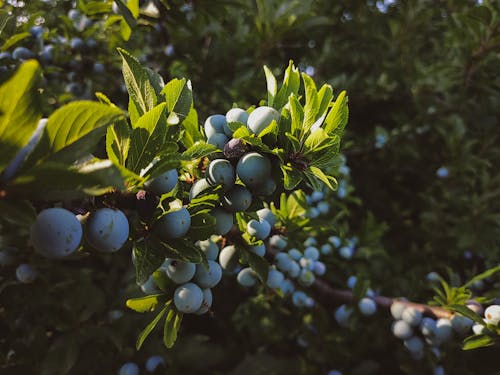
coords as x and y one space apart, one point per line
180 249
199 150
325 96
477 341
291 177
205 202
315 140
148 138
80 149
128 11
145 304
91 8
483 275
272 128
61 356
140 89
172 325
294 141
291 85
186 250
259 265
296 204
149 328
125 30
18 212
327 180
311 106
296 114
272 86
156 81
166 163
148 258
468 313
103 98
336 120
202 226
13 40
118 142
242 132
191 133
69 124
19 110
5 18
179 98
164 282
51 180
104 171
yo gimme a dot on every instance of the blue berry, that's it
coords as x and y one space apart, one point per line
306 277
237 115
154 362
228 258
283 261
287 286
219 140
253 169
238 199
208 278
367 306
412 316
274 278
163 183
319 268
107 229
335 241
215 124
294 270
247 277
278 242
311 253
258 229
220 171
22 53
402 330
261 118
25 273
56 233
149 287
223 220
188 298
326 249
428 326
178 271
397 309
206 303
129 368
295 254
267 215
210 249
342 315
260 250
198 187
174 224
299 298
414 344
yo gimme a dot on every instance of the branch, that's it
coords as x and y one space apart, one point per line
329 295
332 296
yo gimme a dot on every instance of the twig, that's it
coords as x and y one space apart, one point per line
329 295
